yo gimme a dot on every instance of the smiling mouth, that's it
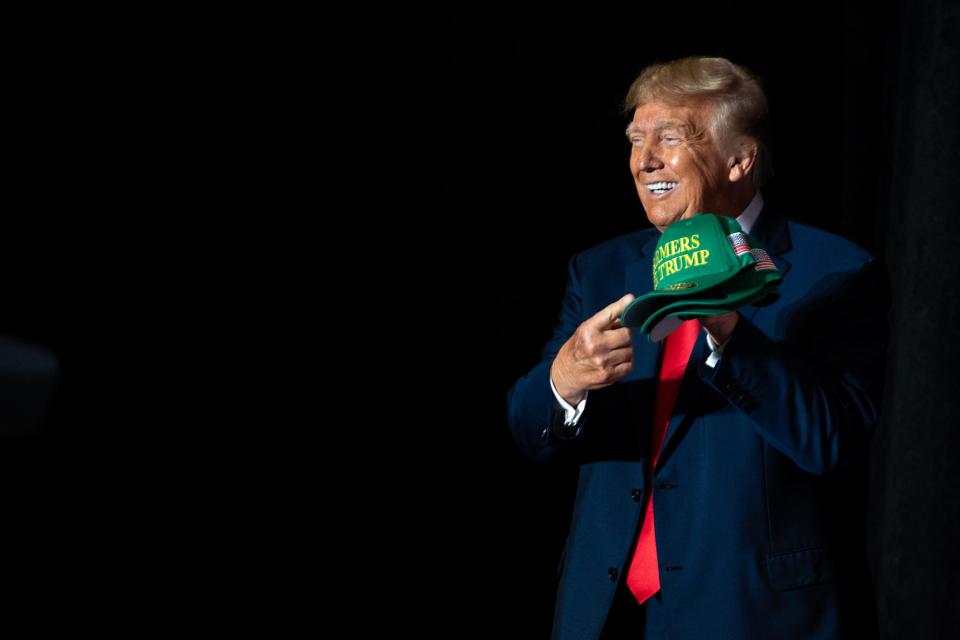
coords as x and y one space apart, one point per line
659 188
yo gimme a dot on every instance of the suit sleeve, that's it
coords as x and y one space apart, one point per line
815 396
535 418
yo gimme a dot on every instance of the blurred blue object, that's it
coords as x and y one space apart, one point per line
29 374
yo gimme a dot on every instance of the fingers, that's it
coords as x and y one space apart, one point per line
614 358
618 338
603 351
624 354
623 369
616 372
609 317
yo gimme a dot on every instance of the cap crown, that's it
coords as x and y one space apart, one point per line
692 250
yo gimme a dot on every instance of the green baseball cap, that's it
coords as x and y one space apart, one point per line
663 322
751 286
704 265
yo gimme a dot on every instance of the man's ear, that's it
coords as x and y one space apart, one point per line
742 163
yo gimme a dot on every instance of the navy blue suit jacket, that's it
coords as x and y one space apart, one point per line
758 489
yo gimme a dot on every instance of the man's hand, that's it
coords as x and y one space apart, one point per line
720 327
599 353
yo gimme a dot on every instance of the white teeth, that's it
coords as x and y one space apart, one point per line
661 187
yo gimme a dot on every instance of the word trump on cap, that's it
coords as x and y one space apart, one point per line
677 255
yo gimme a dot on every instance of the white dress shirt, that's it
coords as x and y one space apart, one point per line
746 220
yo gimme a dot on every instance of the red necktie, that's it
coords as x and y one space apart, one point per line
643 579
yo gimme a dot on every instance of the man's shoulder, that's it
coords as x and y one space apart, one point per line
620 249
826 247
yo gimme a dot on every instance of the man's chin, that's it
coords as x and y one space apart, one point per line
663 220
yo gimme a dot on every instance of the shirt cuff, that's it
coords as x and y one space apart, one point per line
571 414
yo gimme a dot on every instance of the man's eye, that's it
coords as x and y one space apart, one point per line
636 142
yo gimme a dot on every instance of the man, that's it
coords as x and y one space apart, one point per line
756 482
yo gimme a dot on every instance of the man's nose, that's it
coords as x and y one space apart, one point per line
649 159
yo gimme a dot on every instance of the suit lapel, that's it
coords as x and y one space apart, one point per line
639 274
773 233
639 281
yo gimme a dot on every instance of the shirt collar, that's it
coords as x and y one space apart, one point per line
749 216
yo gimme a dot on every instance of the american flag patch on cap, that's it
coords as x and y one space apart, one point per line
763 260
739 242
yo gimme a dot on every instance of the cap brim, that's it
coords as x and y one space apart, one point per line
637 312
762 295
731 293
759 296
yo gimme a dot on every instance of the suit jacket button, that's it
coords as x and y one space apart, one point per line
636 493
545 433
612 573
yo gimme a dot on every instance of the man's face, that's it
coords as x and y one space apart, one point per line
676 164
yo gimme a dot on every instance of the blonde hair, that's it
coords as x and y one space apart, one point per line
735 92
